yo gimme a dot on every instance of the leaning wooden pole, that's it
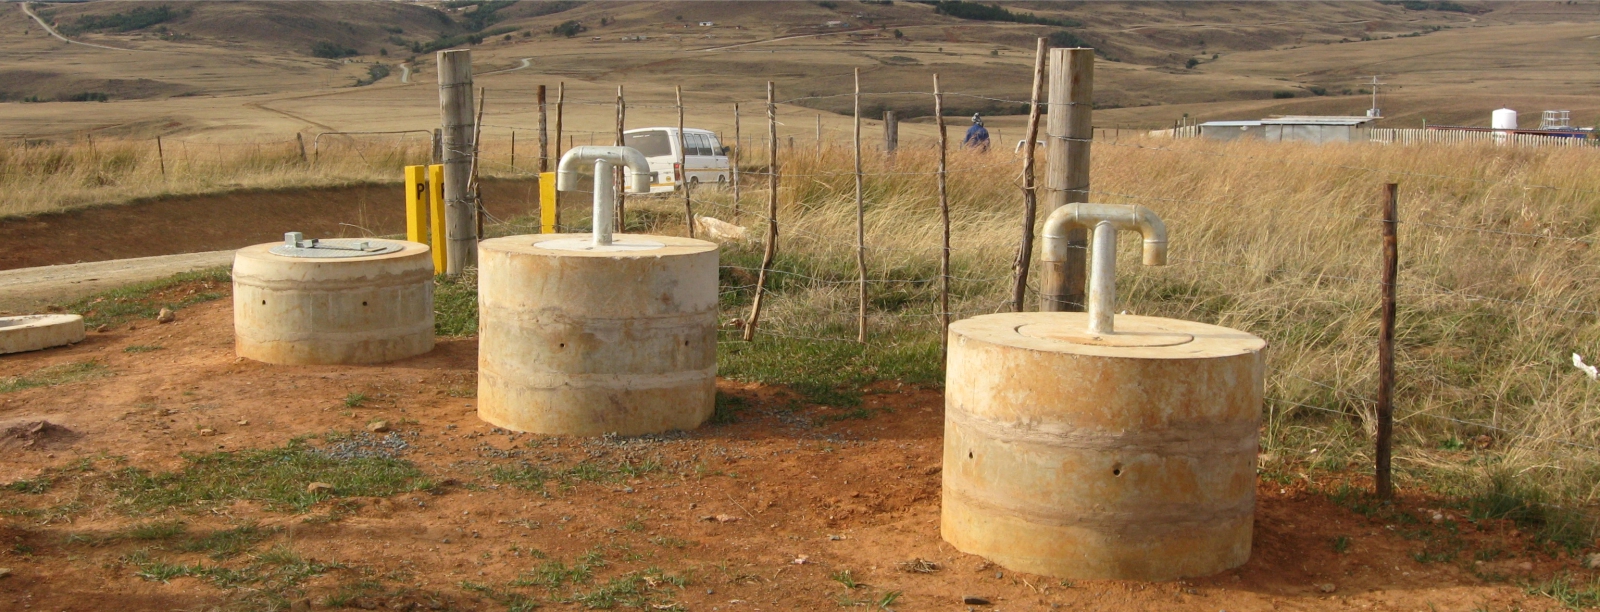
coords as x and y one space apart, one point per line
683 168
1030 187
1391 265
1067 175
738 152
861 226
455 114
772 212
161 156
944 216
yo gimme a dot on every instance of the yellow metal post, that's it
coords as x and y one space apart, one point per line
417 204
547 202
436 217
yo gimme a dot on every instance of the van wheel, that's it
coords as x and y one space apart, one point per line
694 181
722 179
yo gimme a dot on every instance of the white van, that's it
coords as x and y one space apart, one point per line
705 157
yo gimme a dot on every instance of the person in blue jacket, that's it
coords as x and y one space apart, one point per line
977 136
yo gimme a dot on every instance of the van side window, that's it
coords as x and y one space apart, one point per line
653 143
697 144
716 147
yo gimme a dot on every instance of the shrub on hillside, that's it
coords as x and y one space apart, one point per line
1279 95
994 12
1065 40
332 50
569 29
136 19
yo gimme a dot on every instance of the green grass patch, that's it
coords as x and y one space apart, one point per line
1573 592
832 373
455 305
268 580
229 543
134 349
727 409
276 477
529 477
158 530
145 300
54 375
1526 505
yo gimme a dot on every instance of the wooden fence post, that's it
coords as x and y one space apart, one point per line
514 151
683 165
161 157
622 197
455 110
544 137
438 149
1067 176
944 214
472 189
561 101
738 152
861 226
1030 187
302 142
1391 259
891 132
772 212
819 134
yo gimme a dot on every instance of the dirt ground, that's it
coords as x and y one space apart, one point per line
764 513
211 222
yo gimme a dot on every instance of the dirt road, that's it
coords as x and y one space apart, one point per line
27 290
56 34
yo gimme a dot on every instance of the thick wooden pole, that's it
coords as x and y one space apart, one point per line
544 136
738 151
891 132
861 225
772 212
944 215
622 197
455 114
1070 130
1391 266
1030 187
688 204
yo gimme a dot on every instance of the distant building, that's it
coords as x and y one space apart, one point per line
708 24
834 24
1293 128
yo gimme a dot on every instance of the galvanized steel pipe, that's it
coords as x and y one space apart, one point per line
1106 220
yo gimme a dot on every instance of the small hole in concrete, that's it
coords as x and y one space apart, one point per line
263 302
1116 470
686 343
563 345
363 303
969 454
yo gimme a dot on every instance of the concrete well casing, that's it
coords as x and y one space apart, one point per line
314 311
1130 456
577 341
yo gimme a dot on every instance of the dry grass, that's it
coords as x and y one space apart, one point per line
1498 283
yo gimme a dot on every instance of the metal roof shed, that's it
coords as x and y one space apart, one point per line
1295 128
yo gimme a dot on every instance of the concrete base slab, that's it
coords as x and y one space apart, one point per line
34 332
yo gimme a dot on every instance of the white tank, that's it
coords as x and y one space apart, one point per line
340 301
1504 119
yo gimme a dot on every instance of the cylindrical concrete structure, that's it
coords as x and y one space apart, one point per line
587 340
322 309
1119 456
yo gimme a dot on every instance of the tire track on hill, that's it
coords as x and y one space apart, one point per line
56 34
263 106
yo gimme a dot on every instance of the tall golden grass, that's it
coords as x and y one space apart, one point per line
1499 283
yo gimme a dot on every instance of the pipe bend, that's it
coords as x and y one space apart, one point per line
577 158
1123 217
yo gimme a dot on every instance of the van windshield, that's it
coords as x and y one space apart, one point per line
654 143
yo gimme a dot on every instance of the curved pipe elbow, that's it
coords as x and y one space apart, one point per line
1121 216
578 158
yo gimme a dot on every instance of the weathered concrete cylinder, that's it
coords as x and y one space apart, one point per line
333 310
1124 456
587 340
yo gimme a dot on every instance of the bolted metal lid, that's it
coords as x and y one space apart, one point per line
295 245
